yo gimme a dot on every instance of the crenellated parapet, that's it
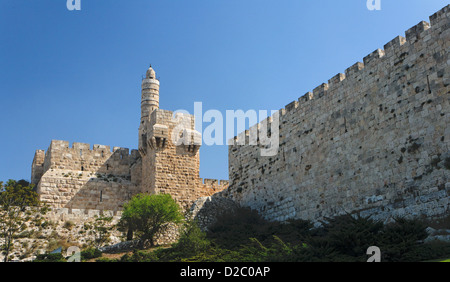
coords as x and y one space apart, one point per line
166 127
81 157
372 138
395 52
215 183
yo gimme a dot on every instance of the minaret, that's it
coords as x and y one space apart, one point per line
150 94
149 103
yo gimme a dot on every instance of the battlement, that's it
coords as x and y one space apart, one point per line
160 116
86 148
394 52
367 141
215 182
83 157
374 61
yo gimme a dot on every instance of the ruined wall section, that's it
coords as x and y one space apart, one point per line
375 139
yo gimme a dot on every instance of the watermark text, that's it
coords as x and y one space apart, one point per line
73 5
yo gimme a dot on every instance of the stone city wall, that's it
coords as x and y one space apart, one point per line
81 157
374 140
85 190
83 178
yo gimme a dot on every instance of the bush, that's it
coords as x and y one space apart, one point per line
140 256
68 225
350 236
402 239
234 229
56 257
244 236
192 240
90 253
103 259
149 214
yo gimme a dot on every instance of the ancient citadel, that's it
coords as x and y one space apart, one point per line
81 178
374 140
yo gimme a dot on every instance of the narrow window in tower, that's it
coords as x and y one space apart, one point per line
82 168
107 166
101 196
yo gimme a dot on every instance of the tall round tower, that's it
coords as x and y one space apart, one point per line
149 103
150 94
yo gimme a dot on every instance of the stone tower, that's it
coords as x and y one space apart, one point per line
169 148
82 177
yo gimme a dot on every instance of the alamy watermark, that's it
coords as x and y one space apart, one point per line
373 5
375 252
76 5
73 5
73 254
263 129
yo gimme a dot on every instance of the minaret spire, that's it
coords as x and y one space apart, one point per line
149 103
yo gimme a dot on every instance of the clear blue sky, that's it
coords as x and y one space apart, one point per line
75 75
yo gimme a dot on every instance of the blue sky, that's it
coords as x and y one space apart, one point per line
75 75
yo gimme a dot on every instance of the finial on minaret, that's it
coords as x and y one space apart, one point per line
151 73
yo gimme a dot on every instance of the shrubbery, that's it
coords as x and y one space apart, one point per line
56 257
243 236
90 253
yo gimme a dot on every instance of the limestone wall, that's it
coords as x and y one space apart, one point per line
375 139
37 167
85 190
80 216
83 178
81 157
172 168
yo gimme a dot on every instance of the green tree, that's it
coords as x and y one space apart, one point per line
102 230
192 240
19 205
149 214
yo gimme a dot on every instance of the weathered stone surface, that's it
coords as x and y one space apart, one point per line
375 141
87 181
78 177
205 210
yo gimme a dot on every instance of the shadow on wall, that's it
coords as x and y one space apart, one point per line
81 178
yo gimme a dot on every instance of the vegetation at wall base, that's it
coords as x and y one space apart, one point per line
243 236
238 236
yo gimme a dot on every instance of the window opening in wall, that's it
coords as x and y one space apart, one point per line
82 168
107 166
101 196
428 82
